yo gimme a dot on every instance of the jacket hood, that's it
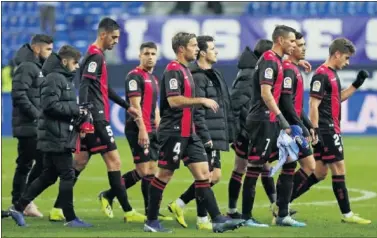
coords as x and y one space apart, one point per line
194 68
248 59
53 65
25 54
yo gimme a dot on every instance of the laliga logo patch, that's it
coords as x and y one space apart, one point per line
132 85
316 86
92 67
268 73
173 83
287 82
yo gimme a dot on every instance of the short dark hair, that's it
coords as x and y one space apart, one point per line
299 35
203 43
181 39
41 38
148 44
67 51
108 25
342 45
262 46
281 30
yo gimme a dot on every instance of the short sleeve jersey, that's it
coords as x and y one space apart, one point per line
269 70
293 84
176 81
93 68
140 83
325 85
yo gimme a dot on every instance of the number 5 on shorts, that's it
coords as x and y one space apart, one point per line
177 148
109 131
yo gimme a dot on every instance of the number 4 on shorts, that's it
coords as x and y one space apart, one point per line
177 148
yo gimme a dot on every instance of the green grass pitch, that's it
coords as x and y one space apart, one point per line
318 207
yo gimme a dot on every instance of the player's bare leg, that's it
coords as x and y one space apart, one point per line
338 171
234 187
80 161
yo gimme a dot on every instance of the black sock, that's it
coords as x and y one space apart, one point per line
119 189
130 179
189 194
284 188
234 188
299 180
206 198
248 193
341 193
305 186
58 199
201 210
156 189
145 182
269 185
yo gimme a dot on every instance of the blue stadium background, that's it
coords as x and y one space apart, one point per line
240 25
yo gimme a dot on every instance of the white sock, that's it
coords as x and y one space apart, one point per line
202 219
232 210
347 215
180 203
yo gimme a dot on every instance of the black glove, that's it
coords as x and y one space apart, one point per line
283 122
361 76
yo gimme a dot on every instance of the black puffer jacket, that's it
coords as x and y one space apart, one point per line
218 126
241 88
59 106
26 84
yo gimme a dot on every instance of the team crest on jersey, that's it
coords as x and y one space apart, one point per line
132 85
287 82
173 83
268 73
92 67
316 86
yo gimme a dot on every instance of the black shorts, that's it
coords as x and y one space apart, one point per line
241 145
263 137
138 151
332 151
213 159
101 141
174 148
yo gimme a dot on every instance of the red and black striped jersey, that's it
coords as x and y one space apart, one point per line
141 83
269 70
94 83
326 86
293 83
176 81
